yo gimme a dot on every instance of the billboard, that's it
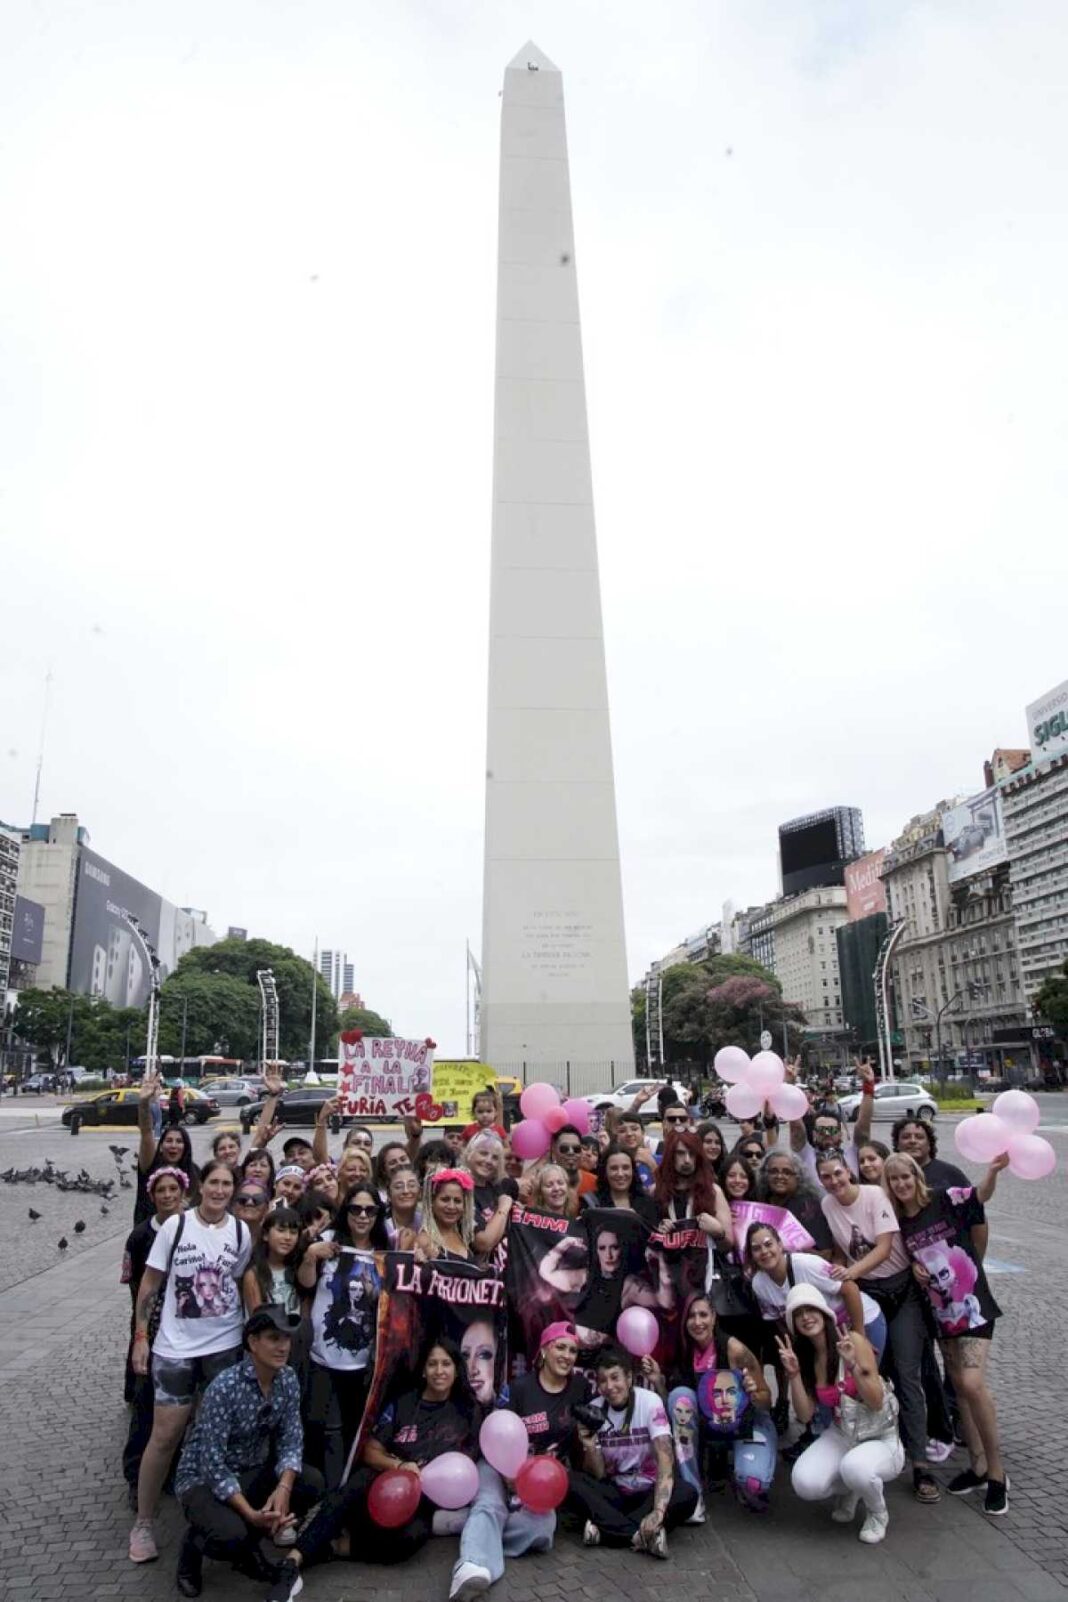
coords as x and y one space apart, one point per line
234 933
815 849
105 957
1047 723
974 836
27 934
865 892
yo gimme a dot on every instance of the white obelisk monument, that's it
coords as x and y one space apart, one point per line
554 980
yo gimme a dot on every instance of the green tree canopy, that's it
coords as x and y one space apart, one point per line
221 1013
1052 1001
372 1023
240 960
100 1034
724 1001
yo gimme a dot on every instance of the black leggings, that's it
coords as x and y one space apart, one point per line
346 1509
218 1531
332 1414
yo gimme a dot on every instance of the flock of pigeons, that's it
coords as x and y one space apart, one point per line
81 1181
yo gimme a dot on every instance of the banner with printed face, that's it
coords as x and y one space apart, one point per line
383 1078
590 1269
421 1302
793 1234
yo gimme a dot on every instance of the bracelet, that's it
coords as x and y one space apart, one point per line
867 1088
140 1335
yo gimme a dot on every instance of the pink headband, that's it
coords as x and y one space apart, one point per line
453 1176
166 1173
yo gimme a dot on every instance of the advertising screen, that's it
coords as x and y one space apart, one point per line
27 934
105 956
865 892
1047 723
974 836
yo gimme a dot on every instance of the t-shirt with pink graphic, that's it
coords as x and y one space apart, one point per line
627 1443
857 1228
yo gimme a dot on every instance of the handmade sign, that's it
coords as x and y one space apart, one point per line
384 1078
454 1086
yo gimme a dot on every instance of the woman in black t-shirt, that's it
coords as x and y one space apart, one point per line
439 1415
938 1230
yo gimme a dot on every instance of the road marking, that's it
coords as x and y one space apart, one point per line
994 1265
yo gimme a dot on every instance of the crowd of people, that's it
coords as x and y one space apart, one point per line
260 1394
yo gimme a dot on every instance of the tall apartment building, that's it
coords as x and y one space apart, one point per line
9 878
338 972
1035 805
795 938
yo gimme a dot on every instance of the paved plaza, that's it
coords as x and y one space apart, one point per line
63 1324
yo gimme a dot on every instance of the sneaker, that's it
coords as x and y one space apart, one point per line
468 1580
591 1535
656 1545
190 1576
938 1451
997 1498
287 1583
751 1494
845 1507
874 1528
964 1483
143 1548
698 1516
286 1536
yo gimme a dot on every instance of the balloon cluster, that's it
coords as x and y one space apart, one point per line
1010 1127
544 1115
756 1080
541 1482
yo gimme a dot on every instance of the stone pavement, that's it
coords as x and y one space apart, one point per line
63 1531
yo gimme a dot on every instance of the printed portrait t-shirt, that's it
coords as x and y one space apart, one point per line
939 1237
202 1310
629 1458
857 1228
418 1431
345 1310
548 1415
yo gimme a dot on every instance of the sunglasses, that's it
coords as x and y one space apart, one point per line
569 1151
679 1121
360 1211
826 1129
249 1199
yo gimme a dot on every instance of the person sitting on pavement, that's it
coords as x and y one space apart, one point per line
498 1525
241 1477
834 1380
627 1490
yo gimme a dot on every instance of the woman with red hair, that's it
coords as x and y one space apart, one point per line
685 1187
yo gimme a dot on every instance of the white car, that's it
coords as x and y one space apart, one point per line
621 1096
904 1098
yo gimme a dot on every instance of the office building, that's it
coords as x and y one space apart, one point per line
9 879
795 938
1035 806
338 972
814 850
86 945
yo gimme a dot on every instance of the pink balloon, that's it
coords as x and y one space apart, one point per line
530 1140
638 1331
1017 1109
504 1442
450 1480
743 1101
554 1120
731 1064
982 1137
538 1099
578 1113
765 1073
1030 1157
789 1101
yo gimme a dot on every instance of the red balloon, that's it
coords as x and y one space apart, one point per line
394 1497
541 1483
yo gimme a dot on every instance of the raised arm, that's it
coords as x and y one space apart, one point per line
146 1094
859 1360
988 1184
803 1404
866 1075
320 1149
265 1125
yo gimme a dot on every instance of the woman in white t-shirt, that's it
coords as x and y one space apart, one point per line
342 1269
198 1258
776 1271
870 1254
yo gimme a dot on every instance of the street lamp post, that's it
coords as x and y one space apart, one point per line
152 1027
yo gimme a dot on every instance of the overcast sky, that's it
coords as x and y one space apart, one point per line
246 380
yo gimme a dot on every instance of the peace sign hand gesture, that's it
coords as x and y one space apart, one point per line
848 1352
787 1356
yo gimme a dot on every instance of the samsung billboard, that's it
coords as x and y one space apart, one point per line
974 836
105 956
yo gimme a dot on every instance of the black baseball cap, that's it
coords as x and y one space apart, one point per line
294 1141
271 1315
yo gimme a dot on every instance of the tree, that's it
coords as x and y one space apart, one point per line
372 1023
219 1011
99 1033
724 1001
293 976
1051 1000
42 1018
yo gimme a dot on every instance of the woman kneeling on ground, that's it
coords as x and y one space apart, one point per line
834 1381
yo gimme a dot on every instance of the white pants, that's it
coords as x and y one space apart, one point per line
830 1467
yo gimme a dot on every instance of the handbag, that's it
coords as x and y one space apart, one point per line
727 1287
858 1422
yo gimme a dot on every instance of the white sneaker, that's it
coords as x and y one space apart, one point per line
468 1580
874 1528
845 1507
698 1516
591 1535
143 1548
656 1545
938 1451
286 1537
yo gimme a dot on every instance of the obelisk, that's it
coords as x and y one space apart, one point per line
554 971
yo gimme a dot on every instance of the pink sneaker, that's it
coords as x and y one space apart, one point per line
143 1548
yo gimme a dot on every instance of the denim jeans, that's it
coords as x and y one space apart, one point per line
494 1531
899 1300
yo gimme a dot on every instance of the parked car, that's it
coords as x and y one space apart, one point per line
120 1107
903 1098
621 1096
37 1085
299 1106
235 1092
